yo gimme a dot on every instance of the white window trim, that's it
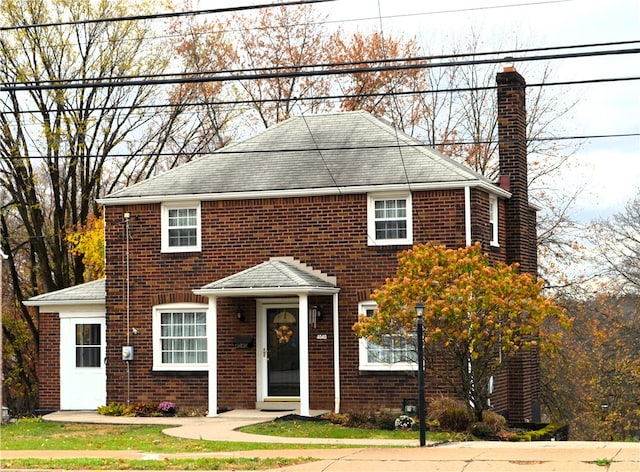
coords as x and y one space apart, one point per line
158 365
363 344
371 219
493 204
164 226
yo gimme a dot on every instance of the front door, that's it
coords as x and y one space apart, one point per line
82 367
282 352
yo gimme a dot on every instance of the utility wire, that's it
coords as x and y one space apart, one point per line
64 85
321 149
236 102
163 15
503 56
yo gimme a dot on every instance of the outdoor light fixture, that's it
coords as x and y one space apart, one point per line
315 315
421 407
239 315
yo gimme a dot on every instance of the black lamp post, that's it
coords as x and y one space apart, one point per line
421 407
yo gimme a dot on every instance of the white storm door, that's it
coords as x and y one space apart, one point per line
83 380
279 358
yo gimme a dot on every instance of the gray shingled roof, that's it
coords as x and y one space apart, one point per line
276 273
88 293
346 150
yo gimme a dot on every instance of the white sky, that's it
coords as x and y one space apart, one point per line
607 168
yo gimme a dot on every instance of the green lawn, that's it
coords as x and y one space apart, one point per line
326 429
35 434
43 435
169 464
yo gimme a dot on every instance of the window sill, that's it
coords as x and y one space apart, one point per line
388 368
180 368
180 250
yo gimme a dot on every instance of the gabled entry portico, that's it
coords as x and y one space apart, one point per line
281 288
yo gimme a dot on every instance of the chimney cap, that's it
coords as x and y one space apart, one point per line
509 66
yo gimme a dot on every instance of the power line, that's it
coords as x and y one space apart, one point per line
502 53
321 149
156 16
63 85
458 10
347 96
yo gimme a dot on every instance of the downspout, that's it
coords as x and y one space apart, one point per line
304 354
467 215
212 356
127 215
336 354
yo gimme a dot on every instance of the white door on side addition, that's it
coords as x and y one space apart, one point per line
83 380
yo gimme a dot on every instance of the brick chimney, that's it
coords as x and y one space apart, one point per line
520 218
523 373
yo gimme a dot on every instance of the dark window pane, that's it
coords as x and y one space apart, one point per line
87 356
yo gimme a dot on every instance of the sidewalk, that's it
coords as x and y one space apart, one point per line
370 455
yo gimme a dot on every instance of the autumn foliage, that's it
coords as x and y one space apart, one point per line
480 312
88 243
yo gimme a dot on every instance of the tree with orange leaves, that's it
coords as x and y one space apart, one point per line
480 313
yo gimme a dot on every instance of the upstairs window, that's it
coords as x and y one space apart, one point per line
397 352
181 227
493 220
389 219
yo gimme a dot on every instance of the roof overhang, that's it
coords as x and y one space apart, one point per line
307 192
265 292
57 303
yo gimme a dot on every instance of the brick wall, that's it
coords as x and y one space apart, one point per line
49 362
325 232
523 376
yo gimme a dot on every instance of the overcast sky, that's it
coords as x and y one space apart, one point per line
607 168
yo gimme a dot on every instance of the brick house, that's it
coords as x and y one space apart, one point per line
233 281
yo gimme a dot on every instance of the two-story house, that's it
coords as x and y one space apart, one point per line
233 281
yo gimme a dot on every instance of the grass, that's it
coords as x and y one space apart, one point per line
168 464
35 434
326 429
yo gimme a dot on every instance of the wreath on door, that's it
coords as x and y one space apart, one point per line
284 334
283 321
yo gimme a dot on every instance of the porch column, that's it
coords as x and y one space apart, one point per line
212 355
336 355
467 215
303 335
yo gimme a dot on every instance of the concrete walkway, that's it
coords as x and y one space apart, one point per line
367 455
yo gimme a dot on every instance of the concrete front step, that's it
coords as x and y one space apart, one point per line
278 405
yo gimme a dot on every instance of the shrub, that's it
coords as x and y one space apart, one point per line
451 415
494 420
550 432
385 421
337 418
144 409
361 419
482 430
115 409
